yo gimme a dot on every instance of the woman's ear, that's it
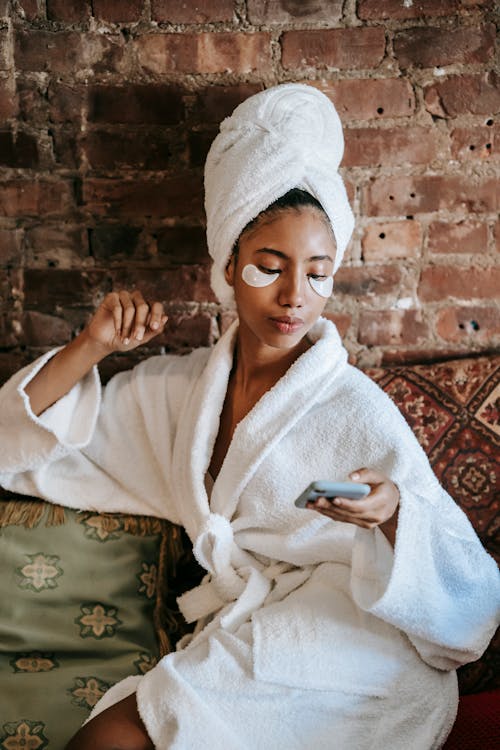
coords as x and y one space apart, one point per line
229 270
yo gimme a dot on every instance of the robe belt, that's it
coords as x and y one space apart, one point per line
233 576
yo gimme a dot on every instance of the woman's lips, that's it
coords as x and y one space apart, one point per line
287 325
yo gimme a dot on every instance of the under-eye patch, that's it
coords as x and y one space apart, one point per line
323 287
253 276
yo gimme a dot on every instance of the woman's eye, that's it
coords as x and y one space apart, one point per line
269 270
317 276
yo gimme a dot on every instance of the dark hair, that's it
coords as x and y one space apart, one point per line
294 199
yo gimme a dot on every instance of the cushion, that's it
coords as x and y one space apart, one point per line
81 609
477 726
454 410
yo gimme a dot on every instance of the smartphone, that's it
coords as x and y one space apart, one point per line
351 490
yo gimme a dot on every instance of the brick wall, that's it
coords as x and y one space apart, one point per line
107 109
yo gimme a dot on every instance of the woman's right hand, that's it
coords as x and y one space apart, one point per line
124 321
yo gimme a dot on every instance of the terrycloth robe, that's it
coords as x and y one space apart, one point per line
311 633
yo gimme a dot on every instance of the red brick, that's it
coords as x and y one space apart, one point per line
65 51
474 94
127 150
370 10
31 9
168 285
173 11
182 245
67 102
497 235
8 99
460 237
136 104
181 195
440 282
65 147
397 239
385 327
41 198
421 194
474 324
370 147
475 143
342 321
39 329
118 11
18 149
68 11
47 290
214 103
427 47
115 242
367 281
277 11
54 246
11 362
10 246
185 331
339 48
32 101
221 52
403 356
199 143
370 98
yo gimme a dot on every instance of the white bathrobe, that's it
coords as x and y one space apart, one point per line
311 633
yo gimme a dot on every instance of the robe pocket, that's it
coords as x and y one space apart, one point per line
317 638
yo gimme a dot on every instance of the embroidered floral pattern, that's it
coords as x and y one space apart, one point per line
148 579
41 572
101 528
33 662
23 735
97 621
145 662
87 691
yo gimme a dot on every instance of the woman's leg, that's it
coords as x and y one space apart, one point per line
118 727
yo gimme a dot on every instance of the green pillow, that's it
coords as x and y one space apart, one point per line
79 612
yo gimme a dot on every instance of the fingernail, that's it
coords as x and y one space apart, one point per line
126 341
355 475
154 325
139 335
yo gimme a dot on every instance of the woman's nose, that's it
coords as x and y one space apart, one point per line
292 290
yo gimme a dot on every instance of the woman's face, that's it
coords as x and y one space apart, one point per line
292 248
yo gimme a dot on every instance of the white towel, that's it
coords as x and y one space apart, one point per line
286 137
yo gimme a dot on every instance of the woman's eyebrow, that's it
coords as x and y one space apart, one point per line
279 254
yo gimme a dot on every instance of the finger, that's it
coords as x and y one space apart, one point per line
112 304
128 314
367 476
156 316
141 315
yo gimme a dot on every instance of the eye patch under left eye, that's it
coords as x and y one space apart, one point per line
323 287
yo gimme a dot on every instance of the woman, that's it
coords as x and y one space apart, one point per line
335 626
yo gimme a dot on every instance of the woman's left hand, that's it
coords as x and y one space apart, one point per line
378 508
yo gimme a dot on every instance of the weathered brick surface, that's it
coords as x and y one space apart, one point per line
397 239
200 11
221 52
277 11
457 95
458 237
475 143
338 48
442 282
471 323
370 98
384 327
395 9
427 47
387 147
108 109
424 194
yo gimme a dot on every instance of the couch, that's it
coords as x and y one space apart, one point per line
89 598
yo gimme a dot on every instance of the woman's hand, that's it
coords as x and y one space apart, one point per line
124 321
378 508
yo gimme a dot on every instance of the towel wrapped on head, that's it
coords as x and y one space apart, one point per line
289 136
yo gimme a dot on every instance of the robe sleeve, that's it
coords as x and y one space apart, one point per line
96 449
438 585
